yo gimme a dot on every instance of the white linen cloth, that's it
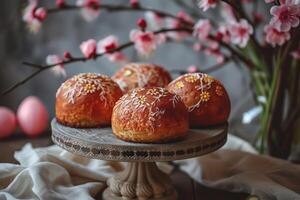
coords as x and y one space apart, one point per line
52 173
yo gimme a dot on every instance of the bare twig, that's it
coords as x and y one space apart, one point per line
31 65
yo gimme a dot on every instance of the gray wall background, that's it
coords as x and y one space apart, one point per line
66 30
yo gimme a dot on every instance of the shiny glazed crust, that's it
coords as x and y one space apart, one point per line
205 97
86 101
139 75
150 115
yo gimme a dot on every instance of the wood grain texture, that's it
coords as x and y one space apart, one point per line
101 143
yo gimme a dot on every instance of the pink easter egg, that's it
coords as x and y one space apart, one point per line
32 116
8 122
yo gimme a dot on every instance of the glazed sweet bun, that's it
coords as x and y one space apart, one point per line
150 115
139 75
87 100
204 96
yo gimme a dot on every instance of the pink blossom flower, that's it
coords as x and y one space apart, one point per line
192 69
57 69
202 29
40 14
34 16
185 17
141 23
216 53
258 18
28 14
67 55
106 45
154 20
161 38
212 43
206 4
223 34
90 10
274 36
240 32
290 2
88 48
285 16
227 13
60 3
269 1
118 57
134 3
174 23
296 53
144 42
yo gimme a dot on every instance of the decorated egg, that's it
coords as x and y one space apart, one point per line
8 122
32 116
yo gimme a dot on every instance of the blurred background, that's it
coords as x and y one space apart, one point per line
65 31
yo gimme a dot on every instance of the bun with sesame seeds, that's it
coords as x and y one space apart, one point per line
86 100
205 97
150 115
140 75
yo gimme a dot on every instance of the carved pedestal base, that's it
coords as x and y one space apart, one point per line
140 181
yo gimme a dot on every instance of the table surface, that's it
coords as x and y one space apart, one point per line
187 188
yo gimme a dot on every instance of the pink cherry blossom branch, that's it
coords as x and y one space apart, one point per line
120 8
185 23
236 53
41 68
194 13
239 9
207 69
242 14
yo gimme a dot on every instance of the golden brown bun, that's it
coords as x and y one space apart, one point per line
150 115
86 100
140 75
205 97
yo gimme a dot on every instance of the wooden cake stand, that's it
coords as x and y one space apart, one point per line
141 179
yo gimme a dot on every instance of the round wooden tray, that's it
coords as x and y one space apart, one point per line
101 143
141 179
